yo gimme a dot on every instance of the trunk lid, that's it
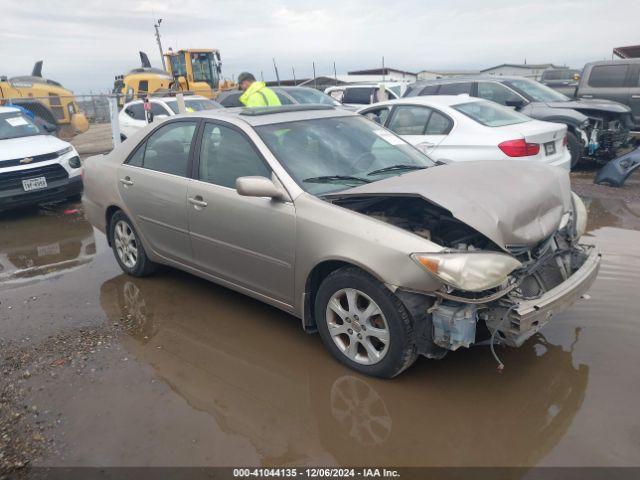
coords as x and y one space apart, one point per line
510 202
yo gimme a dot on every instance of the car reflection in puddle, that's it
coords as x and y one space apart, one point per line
32 245
253 369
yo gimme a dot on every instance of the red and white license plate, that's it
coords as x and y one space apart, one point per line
34 183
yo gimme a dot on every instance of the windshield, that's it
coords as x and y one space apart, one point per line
536 91
490 114
325 155
194 105
205 69
15 125
309 95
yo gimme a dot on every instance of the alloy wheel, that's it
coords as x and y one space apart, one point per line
126 244
357 326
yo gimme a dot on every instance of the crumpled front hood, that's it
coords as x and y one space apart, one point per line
513 203
589 104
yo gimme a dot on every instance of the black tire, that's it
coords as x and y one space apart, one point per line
401 351
575 149
142 267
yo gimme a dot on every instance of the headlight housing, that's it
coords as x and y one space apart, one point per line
472 271
580 216
64 151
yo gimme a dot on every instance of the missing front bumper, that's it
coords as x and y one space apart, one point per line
519 321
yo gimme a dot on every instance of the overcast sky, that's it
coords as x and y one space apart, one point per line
85 43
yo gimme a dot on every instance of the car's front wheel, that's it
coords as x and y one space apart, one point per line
128 248
363 324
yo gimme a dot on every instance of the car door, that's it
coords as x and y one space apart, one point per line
247 241
634 93
153 184
411 123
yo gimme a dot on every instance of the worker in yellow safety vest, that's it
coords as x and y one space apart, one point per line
256 94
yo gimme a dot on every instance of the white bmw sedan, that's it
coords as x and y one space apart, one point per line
459 128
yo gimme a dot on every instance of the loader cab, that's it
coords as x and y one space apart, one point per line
197 71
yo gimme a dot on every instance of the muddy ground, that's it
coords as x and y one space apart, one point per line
101 369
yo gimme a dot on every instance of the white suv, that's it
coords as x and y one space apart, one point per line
35 167
132 117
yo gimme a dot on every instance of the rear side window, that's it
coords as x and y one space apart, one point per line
490 114
455 88
166 150
135 111
231 100
438 124
158 109
361 96
284 99
608 75
429 90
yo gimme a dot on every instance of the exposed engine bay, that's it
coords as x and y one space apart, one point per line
606 134
453 315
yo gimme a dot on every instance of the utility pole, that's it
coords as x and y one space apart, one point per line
335 75
275 67
293 70
315 81
157 27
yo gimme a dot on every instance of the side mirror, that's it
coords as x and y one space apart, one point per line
258 187
517 104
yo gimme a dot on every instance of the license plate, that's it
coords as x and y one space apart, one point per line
550 148
34 183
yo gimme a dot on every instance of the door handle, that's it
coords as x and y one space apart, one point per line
126 181
587 96
635 96
197 201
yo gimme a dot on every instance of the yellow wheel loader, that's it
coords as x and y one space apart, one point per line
195 71
46 99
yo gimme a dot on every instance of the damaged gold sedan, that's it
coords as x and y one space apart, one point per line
341 223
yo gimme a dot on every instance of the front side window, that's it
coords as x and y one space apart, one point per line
429 90
535 91
490 114
135 111
608 76
158 109
324 155
15 125
378 115
178 66
497 93
226 155
143 88
167 149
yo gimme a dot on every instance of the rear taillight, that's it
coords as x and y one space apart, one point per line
565 141
519 148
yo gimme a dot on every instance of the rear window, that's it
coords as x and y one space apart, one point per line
194 105
608 75
361 96
490 114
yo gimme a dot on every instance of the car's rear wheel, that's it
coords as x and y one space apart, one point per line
128 248
575 149
363 324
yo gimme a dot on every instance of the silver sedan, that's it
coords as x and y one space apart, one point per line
336 220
